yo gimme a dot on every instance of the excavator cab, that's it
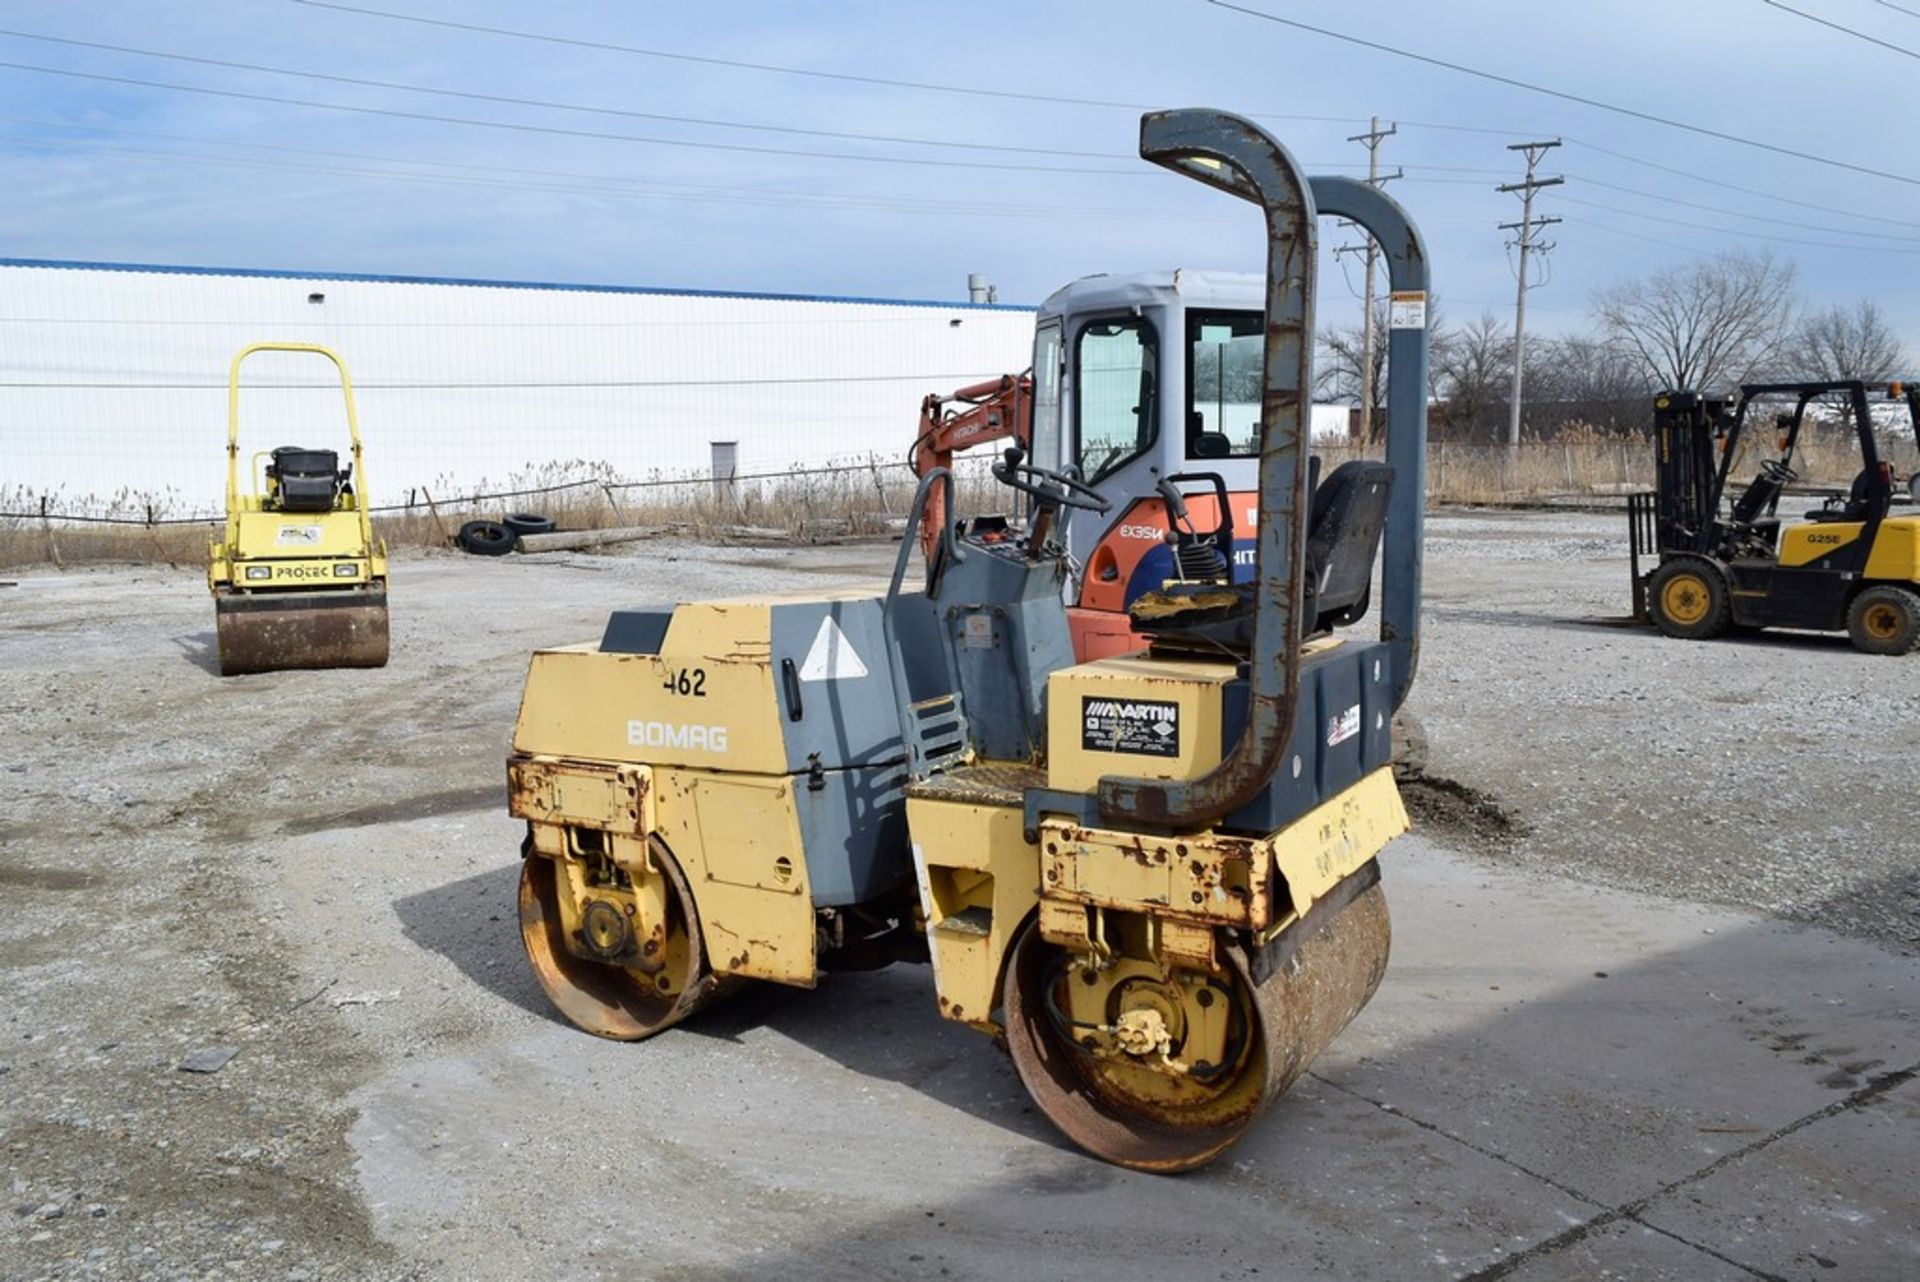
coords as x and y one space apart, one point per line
1139 381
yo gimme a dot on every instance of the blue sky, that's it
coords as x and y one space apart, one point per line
108 170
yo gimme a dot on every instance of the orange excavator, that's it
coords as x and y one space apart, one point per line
1146 386
994 410
1116 398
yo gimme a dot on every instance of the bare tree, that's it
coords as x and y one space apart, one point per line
1473 376
1846 342
1337 373
1705 325
1341 355
1582 378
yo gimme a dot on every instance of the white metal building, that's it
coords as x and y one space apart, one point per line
113 377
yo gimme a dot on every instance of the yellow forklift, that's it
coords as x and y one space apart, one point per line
1702 565
1152 877
298 578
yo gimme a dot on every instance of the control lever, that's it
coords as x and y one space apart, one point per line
1176 501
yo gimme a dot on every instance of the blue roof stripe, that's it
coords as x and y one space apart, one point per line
559 286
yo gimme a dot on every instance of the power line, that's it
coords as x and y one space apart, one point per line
1911 13
926 85
550 105
934 87
956 89
1857 35
1741 213
554 130
637 189
1694 177
735 195
1653 240
1704 131
1731 231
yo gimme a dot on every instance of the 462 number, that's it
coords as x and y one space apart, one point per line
691 682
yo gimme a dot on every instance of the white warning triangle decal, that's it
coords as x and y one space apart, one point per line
831 657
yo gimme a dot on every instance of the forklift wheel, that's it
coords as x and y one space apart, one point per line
1885 620
1688 600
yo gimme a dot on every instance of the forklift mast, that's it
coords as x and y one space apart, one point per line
1687 484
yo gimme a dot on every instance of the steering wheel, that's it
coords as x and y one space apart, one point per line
1777 471
1049 486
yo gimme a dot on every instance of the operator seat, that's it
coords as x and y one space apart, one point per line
1869 498
1344 523
1349 511
307 480
1760 496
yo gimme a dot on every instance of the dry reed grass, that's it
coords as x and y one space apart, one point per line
856 498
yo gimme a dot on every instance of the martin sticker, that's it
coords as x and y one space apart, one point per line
298 536
1148 727
1343 727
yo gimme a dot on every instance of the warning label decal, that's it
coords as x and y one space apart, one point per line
1149 727
831 657
1407 309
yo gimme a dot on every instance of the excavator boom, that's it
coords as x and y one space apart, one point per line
993 410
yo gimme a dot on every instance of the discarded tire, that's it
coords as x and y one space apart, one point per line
486 538
528 523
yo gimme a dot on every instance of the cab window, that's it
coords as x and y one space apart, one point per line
1046 395
1114 394
1223 383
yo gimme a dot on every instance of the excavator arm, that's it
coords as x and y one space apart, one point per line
989 411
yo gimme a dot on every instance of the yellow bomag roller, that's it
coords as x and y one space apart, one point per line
1153 877
298 579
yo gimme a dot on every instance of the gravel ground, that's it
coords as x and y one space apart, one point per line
1773 771
313 870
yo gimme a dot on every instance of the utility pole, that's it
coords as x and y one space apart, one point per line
1372 139
1525 228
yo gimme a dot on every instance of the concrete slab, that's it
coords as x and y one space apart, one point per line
848 1131
1836 1198
1497 1096
1609 1041
1628 1251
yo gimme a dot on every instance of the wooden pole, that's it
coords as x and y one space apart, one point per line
438 524
46 526
618 515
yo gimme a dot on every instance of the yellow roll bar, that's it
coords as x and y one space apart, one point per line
233 429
